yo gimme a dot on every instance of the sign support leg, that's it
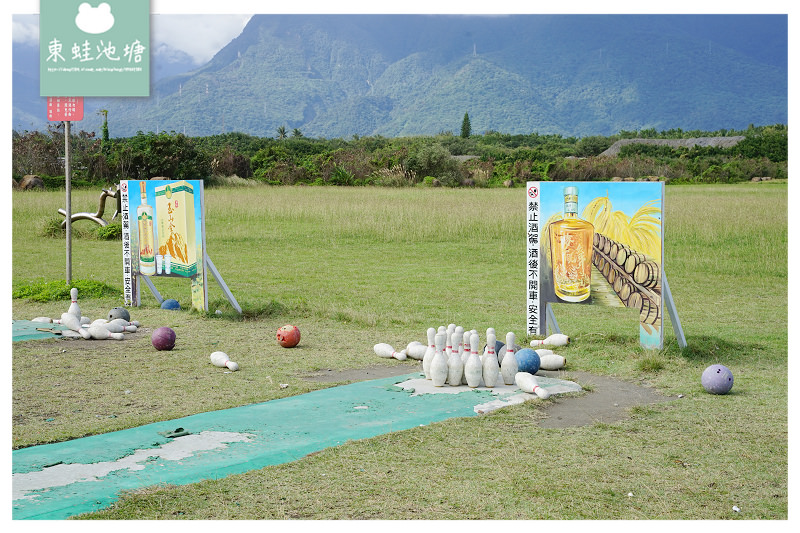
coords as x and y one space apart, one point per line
673 314
218 277
551 319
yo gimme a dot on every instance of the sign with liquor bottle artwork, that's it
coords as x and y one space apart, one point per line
163 235
596 243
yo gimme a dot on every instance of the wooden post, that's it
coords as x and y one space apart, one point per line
68 177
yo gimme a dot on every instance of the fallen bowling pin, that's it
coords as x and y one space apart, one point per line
528 383
556 339
222 360
551 361
127 326
102 333
386 350
416 350
72 322
46 320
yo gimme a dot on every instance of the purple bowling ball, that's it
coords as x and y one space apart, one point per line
163 338
717 379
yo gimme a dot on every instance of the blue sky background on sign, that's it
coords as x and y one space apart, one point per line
625 197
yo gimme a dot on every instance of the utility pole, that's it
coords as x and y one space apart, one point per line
68 179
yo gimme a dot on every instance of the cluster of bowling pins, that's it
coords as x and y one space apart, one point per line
99 329
452 357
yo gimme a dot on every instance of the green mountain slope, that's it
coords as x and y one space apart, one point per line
344 75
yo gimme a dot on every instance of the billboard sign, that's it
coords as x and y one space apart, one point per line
596 243
163 235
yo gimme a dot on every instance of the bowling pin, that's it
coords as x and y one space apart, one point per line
429 353
491 369
46 320
465 353
128 327
556 339
74 309
222 360
416 350
101 333
509 367
528 383
385 350
551 361
73 323
489 331
455 368
543 351
473 371
439 368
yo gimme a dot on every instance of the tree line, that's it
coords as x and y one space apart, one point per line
482 160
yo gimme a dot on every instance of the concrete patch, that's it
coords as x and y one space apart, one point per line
505 395
29 484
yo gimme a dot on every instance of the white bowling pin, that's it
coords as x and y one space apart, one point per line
556 339
98 332
509 367
489 331
491 368
46 320
528 383
416 350
74 309
85 320
473 371
73 323
385 350
99 322
551 361
439 368
465 354
543 351
429 353
129 327
222 360
455 368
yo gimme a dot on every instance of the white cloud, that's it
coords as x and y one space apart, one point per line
199 36
25 29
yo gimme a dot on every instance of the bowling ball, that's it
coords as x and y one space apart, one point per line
163 338
527 360
288 336
171 304
119 312
717 379
501 351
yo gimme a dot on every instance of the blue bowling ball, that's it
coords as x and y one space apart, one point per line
527 360
171 304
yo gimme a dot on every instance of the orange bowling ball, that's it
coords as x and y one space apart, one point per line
288 336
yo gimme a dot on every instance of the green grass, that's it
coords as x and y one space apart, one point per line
356 266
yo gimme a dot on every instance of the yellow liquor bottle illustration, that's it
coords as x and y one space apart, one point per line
144 215
571 251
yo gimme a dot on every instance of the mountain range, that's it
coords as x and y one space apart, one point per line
400 75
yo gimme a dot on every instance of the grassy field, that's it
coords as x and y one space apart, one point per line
356 266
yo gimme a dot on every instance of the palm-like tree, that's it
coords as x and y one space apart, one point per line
281 132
